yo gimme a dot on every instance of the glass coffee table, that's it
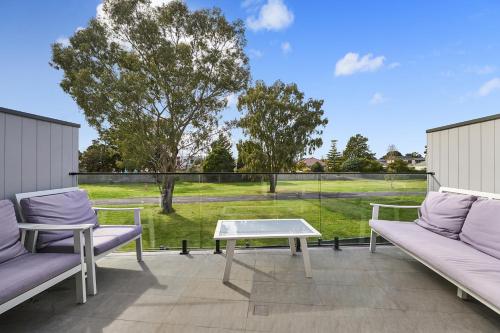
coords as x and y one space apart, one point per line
232 230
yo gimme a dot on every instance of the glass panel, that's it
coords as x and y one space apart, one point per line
263 227
335 204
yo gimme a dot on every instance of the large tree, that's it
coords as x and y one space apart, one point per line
333 158
219 158
281 126
100 157
357 147
157 77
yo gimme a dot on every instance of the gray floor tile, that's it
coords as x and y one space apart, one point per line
352 290
209 313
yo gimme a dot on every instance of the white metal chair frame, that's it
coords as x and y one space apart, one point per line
90 258
463 292
79 232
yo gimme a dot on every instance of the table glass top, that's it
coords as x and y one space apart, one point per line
230 228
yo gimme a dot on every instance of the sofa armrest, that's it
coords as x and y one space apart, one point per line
136 210
376 208
53 227
82 233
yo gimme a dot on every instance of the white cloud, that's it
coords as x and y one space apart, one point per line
64 41
286 47
481 70
394 65
255 54
103 17
377 98
489 87
274 15
351 63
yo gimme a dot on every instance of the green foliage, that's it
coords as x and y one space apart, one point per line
398 165
156 78
357 164
250 157
317 167
280 123
100 157
392 153
333 158
219 159
414 155
357 147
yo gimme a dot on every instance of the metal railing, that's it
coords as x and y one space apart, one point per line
336 204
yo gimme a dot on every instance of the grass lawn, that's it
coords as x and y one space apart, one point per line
120 191
196 222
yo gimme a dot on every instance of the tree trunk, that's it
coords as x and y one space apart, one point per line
167 194
272 183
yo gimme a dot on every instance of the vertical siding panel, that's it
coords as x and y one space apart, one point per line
55 156
443 158
488 156
2 155
463 157
428 157
28 166
43 156
13 135
475 157
453 157
67 157
436 147
497 155
75 162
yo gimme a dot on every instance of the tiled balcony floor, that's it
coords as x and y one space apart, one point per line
351 291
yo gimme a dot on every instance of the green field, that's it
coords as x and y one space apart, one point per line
183 188
344 218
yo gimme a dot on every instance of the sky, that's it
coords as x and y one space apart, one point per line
388 70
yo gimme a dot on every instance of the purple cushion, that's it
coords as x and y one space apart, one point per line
63 208
482 227
27 271
477 271
10 244
445 213
105 238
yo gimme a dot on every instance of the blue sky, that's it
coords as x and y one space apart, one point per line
386 69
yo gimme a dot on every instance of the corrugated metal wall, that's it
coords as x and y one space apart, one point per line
465 155
36 153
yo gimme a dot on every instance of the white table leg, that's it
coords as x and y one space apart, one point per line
305 256
229 258
291 242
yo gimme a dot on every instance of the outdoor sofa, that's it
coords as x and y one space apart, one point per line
457 235
68 206
24 274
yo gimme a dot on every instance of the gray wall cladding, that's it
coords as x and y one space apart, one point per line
466 155
36 153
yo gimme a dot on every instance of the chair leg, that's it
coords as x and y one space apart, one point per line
462 294
81 290
373 241
138 248
90 262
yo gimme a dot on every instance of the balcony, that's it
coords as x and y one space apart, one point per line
351 291
336 204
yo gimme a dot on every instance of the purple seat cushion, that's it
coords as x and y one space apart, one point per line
10 244
477 271
29 270
445 213
105 238
63 208
481 229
